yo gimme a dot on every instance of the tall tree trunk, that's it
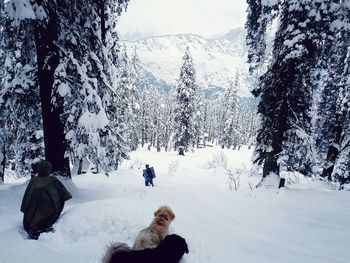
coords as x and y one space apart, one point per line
2 162
80 166
181 150
270 164
333 152
103 22
158 144
48 60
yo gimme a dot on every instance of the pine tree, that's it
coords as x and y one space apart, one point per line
341 136
86 80
331 125
247 121
184 108
21 126
198 118
305 74
74 68
283 138
228 127
134 106
167 120
2 120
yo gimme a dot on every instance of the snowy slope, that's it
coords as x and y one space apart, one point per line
303 223
216 60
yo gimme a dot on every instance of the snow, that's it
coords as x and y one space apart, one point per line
63 89
92 122
20 9
297 39
306 222
347 3
215 60
269 3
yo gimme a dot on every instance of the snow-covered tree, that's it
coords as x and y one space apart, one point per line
134 106
20 125
302 48
184 108
198 117
341 172
229 133
69 53
331 123
90 85
155 119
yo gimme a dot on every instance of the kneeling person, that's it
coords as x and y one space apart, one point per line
43 201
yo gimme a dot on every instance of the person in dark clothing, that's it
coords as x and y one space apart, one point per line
34 170
149 175
43 201
169 250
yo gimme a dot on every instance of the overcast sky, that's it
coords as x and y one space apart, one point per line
202 17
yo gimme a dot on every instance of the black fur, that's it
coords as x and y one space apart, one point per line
170 250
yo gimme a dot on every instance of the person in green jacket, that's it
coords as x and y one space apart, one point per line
43 201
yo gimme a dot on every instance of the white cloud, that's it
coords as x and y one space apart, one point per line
203 17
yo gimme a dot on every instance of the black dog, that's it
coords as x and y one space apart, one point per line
170 250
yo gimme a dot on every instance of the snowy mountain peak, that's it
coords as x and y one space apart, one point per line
216 60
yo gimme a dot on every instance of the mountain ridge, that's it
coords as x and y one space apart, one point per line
216 60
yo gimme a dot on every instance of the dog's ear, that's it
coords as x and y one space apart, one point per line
156 212
172 215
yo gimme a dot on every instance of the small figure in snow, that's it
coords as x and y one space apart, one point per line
43 201
149 174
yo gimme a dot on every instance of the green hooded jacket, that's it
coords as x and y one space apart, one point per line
43 202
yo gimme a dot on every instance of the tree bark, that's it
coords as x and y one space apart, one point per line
2 163
181 150
48 60
270 165
103 22
158 145
282 183
80 166
332 153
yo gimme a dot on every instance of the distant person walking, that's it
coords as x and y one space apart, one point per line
149 174
43 201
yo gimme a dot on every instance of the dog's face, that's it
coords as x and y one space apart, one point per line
164 215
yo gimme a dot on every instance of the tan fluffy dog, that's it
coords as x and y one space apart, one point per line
151 236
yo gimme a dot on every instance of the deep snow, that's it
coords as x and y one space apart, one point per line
305 222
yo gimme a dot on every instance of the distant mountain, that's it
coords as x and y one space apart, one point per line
216 60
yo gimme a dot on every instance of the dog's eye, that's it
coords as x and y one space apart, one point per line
164 217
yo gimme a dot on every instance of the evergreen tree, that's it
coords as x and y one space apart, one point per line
284 89
247 121
74 68
134 106
306 74
184 107
167 120
341 135
228 127
87 82
20 126
198 118
331 124
155 119
47 55
2 120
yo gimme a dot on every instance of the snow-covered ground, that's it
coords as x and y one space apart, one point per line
305 222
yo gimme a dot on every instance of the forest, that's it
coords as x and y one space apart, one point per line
242 156
69 90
